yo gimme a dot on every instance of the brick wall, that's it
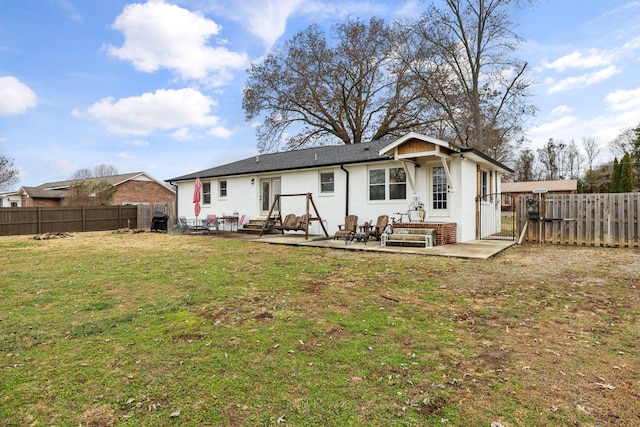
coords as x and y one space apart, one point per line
445 231
39 203
143 192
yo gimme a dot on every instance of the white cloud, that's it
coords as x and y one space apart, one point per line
267 19
590 59
161 110
74 15
623 100
15 97
183 134
220 132
342 9
549 129
160 35
561 110
576 82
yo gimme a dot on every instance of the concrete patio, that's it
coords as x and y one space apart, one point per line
476 249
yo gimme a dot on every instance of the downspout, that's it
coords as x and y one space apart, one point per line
346 200
176 206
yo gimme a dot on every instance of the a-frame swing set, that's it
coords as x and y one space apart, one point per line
278 218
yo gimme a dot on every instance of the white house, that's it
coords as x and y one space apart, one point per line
10 200
383 177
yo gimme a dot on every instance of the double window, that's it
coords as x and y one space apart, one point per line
387 184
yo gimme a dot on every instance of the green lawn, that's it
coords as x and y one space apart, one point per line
150 329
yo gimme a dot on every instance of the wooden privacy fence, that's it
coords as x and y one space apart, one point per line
145 213
581 219
16 221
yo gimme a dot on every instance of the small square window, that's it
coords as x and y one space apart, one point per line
326 182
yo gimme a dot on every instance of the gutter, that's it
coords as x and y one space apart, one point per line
346 200
177 198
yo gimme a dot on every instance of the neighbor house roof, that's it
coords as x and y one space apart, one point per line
329 155
57 189
566 185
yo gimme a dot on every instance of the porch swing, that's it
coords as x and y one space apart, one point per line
296 225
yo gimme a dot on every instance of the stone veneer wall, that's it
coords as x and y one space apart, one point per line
445 231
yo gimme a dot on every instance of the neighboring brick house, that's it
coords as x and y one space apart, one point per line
133 189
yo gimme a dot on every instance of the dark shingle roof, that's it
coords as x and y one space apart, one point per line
58 189
330 155
111 179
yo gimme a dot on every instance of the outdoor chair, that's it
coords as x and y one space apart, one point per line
212 223
345 230
376 230
181 224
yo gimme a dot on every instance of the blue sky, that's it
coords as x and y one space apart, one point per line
157 86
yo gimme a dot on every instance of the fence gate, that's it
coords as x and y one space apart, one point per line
496 217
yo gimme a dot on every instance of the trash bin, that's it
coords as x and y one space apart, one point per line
159 221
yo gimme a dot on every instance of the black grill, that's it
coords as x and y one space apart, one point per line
159 221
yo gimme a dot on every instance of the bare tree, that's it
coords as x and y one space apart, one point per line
623 143
82 174
463 54
550 158
348 87
9 174
90 193
571 161
526 166
104 170
592 147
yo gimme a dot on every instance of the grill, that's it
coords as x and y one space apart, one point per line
159 221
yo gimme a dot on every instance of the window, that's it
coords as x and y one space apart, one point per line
484 185
223 188
387 184
206 193
376 184
439 188
397 184
326 182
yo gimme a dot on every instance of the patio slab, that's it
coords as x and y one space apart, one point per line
475 249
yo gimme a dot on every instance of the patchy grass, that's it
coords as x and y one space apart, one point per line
108 329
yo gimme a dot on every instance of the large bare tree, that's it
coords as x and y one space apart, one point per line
464 53
347 87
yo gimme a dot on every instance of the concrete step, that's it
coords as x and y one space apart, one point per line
408 237
423 237
413 231
408 243
254 226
